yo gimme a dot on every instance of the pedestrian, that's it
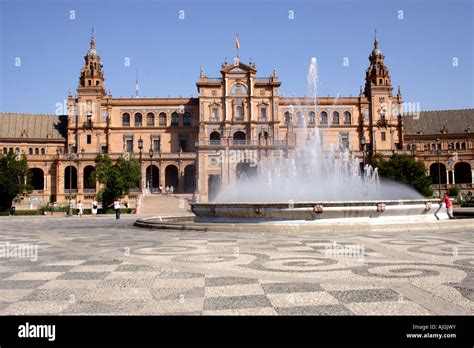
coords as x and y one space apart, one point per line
167 190
161 189
94 208
117 208
80 209
171 190
449 206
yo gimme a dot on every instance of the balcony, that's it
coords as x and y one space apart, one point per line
245 143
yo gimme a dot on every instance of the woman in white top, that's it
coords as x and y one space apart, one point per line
94 208
80 209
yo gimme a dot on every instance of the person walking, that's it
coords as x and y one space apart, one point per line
167 190
80 209
161 189
117 208
171 190
94 208
449 206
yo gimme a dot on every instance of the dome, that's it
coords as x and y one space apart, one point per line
92 52
376 52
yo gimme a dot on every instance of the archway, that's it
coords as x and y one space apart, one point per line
213 186
152 177
171 177
246 170
189 179
37 178
70 178
89 184
462 173
434 173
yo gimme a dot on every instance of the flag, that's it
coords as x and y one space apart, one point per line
237 44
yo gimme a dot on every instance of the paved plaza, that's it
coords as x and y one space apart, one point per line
108 266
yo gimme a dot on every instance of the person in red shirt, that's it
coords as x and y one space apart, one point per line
449 206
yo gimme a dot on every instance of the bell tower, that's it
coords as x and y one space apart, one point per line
384 111
92 74
377 77
87 113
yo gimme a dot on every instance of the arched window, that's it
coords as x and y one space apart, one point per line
17 150
36 151
126 120
238 89
215 137
30 151
463 146
287 117
150 119
162 119
175 119
138 120
458 147
43 151
239 137
324 117
5 151
239 112
186 119
312 117
335 117
347 117
300 118
214 113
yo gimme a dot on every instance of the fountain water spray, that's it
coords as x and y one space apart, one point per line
315 170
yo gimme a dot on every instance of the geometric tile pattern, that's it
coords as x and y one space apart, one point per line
105 266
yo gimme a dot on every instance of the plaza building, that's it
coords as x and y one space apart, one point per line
197 145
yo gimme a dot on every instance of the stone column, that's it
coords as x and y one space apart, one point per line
162 168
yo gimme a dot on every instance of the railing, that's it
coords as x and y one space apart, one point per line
89 190
69 191
232 142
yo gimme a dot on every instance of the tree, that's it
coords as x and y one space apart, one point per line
15 178
407 170
117 178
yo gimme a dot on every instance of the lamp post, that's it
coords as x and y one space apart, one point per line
71 157
140 148
362 143
438 152
151 169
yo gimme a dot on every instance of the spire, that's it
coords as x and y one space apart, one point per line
92 39
376 43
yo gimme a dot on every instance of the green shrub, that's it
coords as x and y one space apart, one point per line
27 212
467 205
453 191
5 213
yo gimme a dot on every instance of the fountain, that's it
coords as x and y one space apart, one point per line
317 180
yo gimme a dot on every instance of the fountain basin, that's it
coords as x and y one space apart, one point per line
422 209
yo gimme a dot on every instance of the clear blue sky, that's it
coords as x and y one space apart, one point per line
168 51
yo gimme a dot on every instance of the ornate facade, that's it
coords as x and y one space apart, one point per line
181 142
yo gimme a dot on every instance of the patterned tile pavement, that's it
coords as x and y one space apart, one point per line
105 266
